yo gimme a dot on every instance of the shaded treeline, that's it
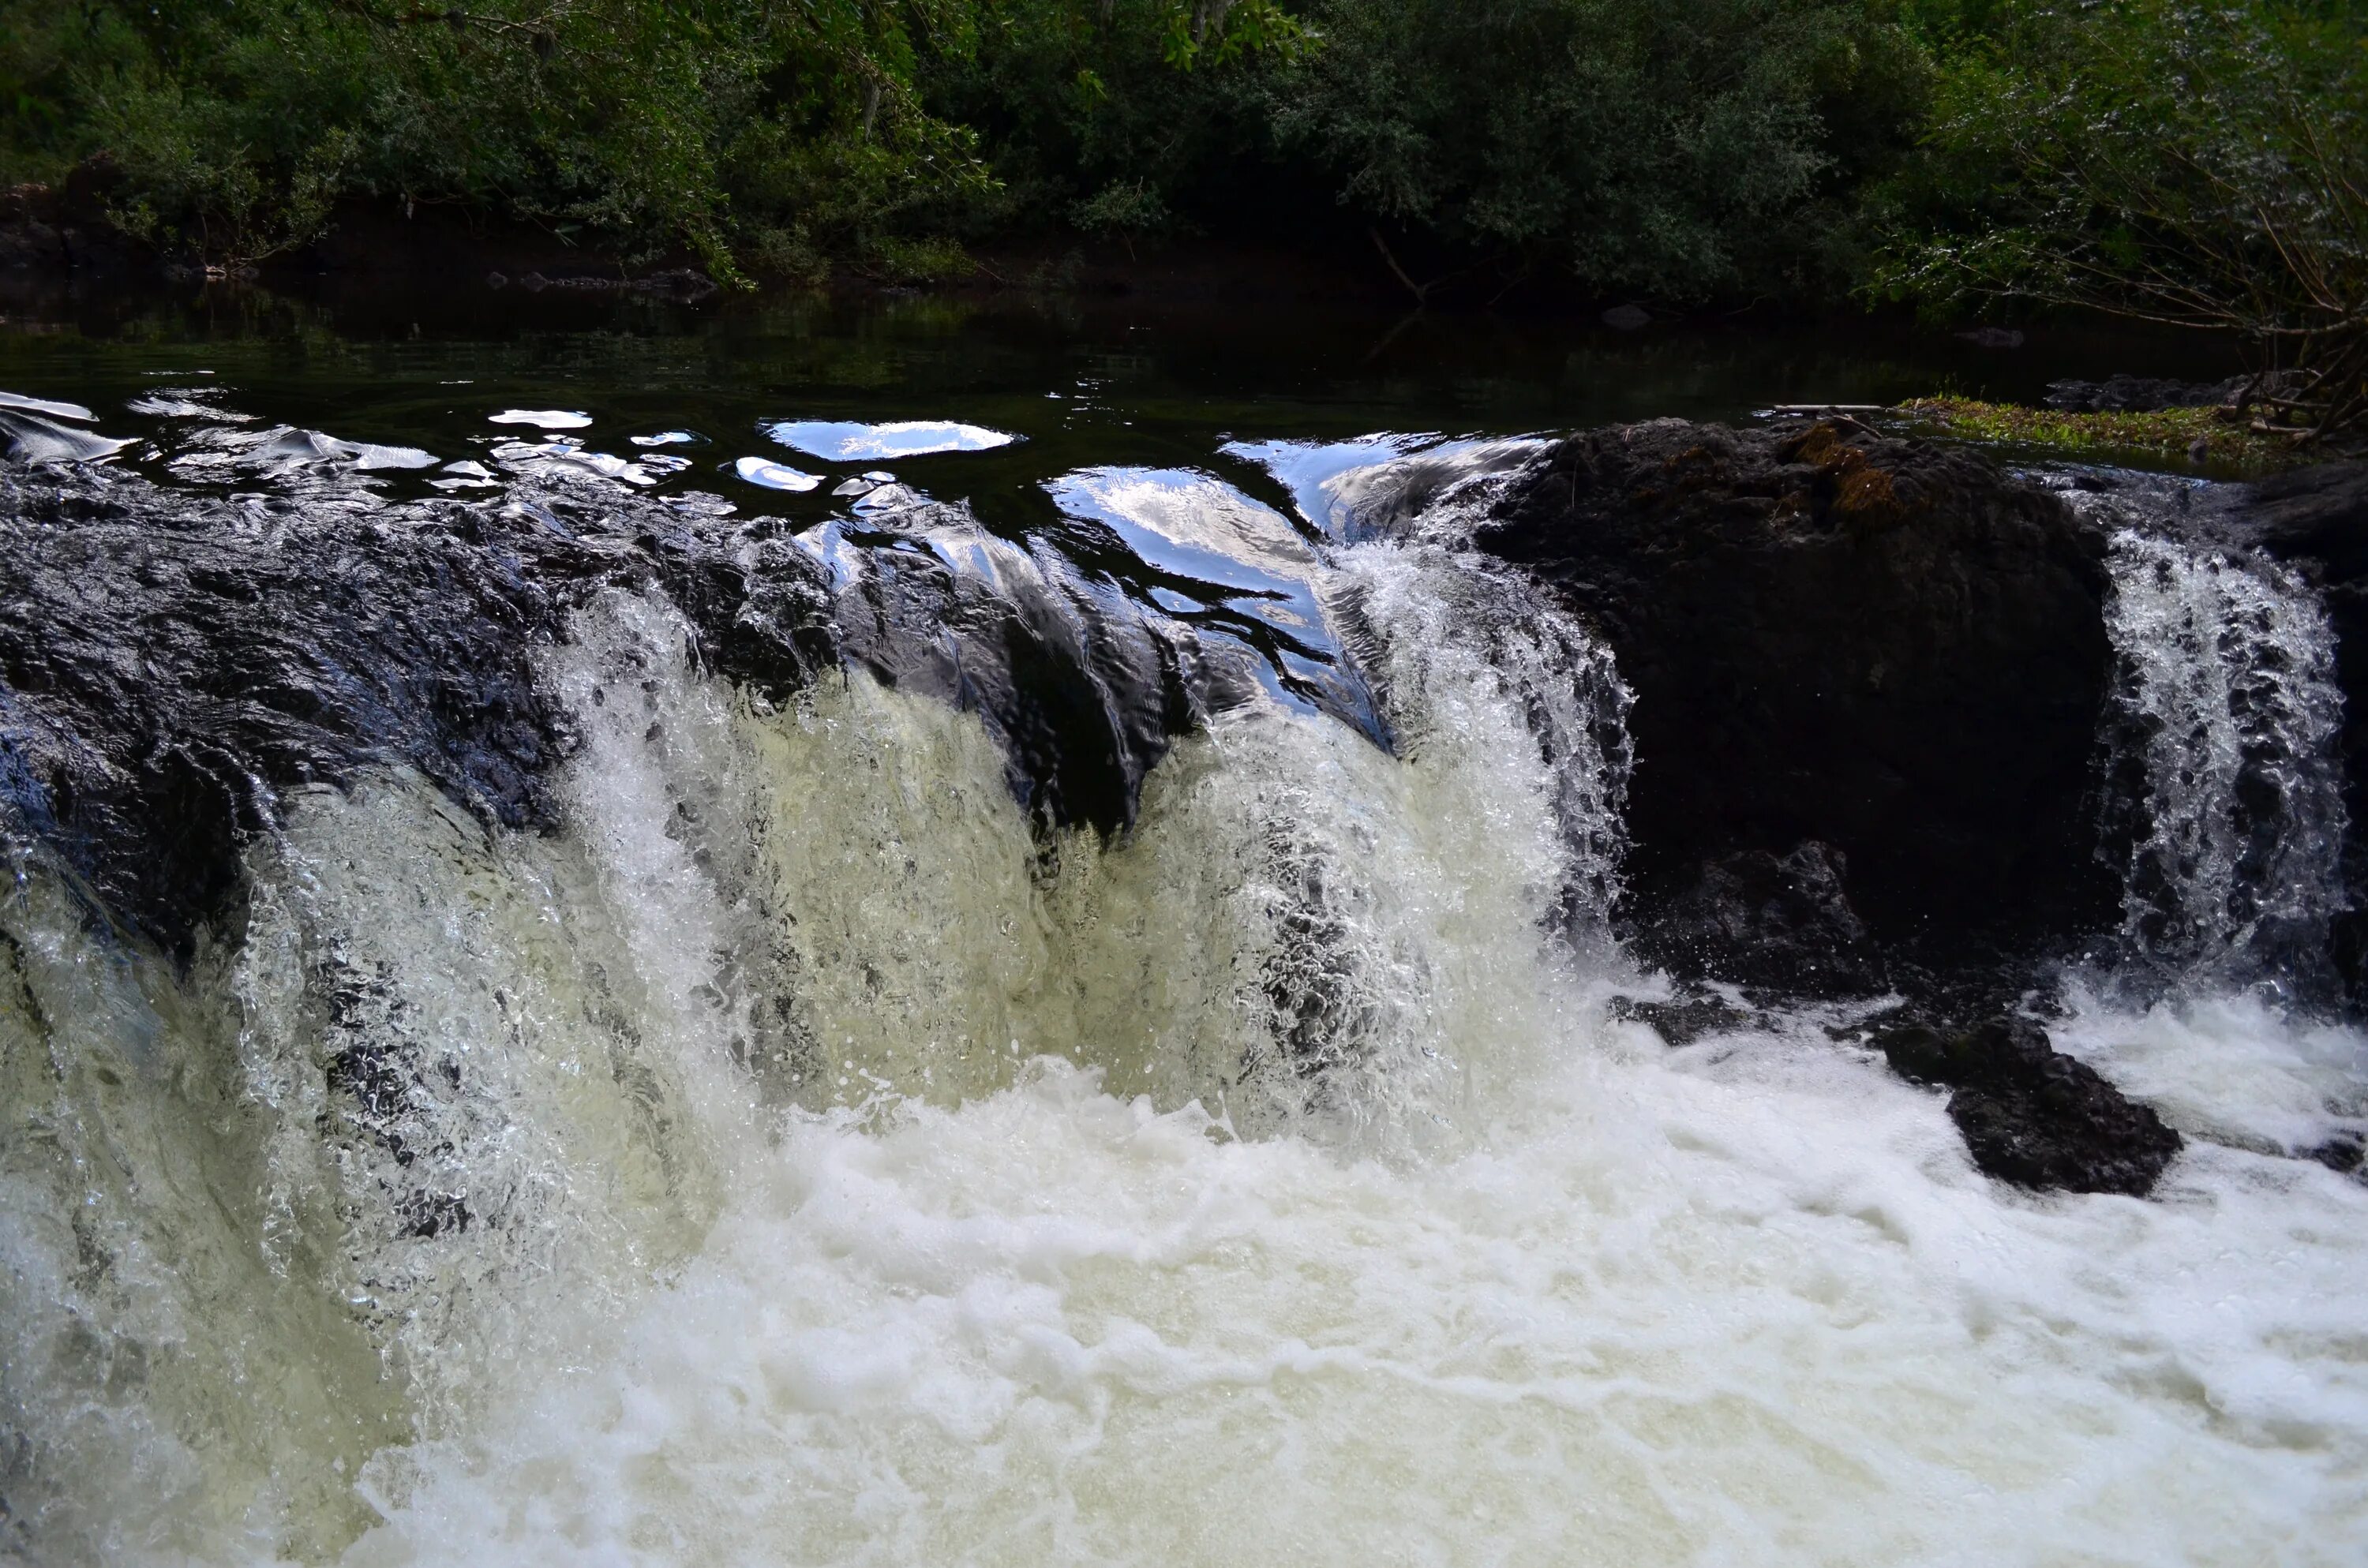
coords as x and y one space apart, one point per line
2198 162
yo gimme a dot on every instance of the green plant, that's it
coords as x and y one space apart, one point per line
1129 210
925 260
2197 165
1679 149
2201 436
236 125
1107 114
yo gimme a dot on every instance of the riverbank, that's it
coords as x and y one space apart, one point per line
2211 438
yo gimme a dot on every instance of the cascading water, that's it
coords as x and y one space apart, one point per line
2229 815
2229 700
805 1152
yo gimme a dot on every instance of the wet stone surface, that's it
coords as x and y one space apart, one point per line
1884 646
171 660
2031 1114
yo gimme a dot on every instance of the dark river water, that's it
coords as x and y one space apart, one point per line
1089 383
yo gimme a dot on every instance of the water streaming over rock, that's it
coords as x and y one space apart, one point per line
808 1146
2228 712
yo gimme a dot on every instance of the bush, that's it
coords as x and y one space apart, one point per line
1119 117
1682 148
2198 165
237 123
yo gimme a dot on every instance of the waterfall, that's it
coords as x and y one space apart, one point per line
789 1141
2227 703
439 1092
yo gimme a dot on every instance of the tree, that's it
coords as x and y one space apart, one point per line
2198 163
1683 148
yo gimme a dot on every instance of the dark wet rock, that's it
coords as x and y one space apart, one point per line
2149 394
1627 318
683 283
2318 513
2318 517
2346 1154
169 661
2031 1114
64 228
1781 924
687 284
1687 1015
172 661
1884 646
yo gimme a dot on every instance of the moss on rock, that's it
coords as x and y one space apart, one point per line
2206 438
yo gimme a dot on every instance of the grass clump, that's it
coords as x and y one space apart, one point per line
2202 438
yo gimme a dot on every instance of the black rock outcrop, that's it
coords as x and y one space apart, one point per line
171 661
2031 1114
1885 647
2141 394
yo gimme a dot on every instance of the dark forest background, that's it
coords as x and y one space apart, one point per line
2204 164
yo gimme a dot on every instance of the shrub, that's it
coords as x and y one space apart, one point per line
1682 148
237 123
2200 165
1117 117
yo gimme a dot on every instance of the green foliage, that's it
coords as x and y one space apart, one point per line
2192 160
1680 148
1128 210
236 124
2203 164
780 132
2206 437
925 260
1108 113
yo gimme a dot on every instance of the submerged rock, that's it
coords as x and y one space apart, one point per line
1687 1015
2345 1155
2031 1114
1836 638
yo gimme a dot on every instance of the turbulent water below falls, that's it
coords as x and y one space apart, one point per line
798 1158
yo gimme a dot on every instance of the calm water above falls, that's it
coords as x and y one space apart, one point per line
801 1151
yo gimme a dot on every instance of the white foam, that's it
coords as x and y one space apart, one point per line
2229 1067
1659 1317
1747 1302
